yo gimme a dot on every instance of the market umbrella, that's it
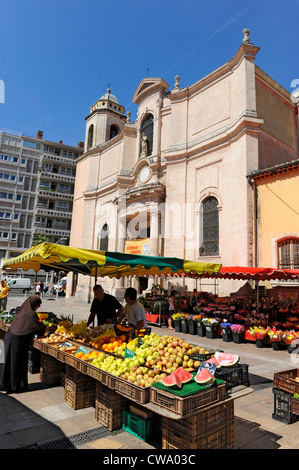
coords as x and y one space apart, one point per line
49 256
256 274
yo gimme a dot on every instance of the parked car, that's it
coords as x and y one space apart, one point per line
20 283
60 287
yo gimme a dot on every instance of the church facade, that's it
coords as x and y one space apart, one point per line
175 181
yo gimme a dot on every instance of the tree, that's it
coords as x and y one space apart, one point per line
39 238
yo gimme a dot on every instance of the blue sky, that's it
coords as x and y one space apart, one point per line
58 56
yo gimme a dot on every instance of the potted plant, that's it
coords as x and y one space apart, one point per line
260 335
275 336
227 335
200 328
177 322
211 325
238 332
191 325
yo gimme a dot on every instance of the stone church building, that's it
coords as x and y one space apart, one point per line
175 181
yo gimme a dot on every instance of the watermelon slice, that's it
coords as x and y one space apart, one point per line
172 381
183 375
226 359
204 377
213 360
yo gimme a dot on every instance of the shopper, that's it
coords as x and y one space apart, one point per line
172 308
17 340
104 306
134 310
4 293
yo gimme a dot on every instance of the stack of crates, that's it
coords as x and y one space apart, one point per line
211 428
109 406
33 360
79 389
285 385
51 370
138 421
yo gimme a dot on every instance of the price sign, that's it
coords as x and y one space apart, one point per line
82 349
208 365
130 354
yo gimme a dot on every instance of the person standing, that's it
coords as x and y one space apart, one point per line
172 308
4 293
104 306
17 341
134 310
41 286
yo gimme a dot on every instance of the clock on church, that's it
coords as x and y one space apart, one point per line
144 174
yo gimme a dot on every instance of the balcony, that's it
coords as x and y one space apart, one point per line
50 231
58 176
44 211
58 158
55 194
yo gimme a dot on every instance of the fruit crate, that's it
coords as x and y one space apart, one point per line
109 398
38 344
137 426
210 418
78 379
56 352
234 376
51 370
141 332
203 356
220 438
183 406
77 399
133 392
108 417
286 380
73 361
99 374
282 407
295 406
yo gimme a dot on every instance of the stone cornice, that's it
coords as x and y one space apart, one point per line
264 79
245 51
147 87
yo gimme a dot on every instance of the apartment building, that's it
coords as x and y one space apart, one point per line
36 190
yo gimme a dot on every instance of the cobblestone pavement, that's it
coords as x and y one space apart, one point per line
40 418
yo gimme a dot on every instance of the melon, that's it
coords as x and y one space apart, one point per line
172 381
226 359
204 377
213 360
183 375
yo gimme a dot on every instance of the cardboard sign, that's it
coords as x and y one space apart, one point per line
207 365
130 354
82 349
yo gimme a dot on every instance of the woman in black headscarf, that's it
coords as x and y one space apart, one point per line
16 346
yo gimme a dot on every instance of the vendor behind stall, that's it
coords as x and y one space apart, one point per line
104 306
134 310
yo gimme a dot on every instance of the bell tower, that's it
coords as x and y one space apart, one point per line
105 120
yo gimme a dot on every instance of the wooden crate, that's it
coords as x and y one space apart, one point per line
99 374
78 399
221 437
186 405
285 380
204 421
109 406
108 397
108 417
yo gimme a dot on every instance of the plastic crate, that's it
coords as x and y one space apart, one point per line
77 399
204 421
109 398
134 392
139 427
234 376
108 417
282 407
295 406
285 380
50 370
183 406
219 438
202 357
99 374
78 381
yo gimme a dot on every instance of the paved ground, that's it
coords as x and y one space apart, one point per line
41 417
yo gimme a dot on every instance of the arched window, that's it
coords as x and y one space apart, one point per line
147 128
90 137
104 238
288 253
210 227
114 130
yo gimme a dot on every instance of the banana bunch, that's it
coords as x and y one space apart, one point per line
78 329
63 326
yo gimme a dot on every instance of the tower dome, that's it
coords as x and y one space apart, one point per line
108 96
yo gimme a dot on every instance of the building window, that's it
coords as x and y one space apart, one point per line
104 238
147 128
210 227
113 131
288 253
90 137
